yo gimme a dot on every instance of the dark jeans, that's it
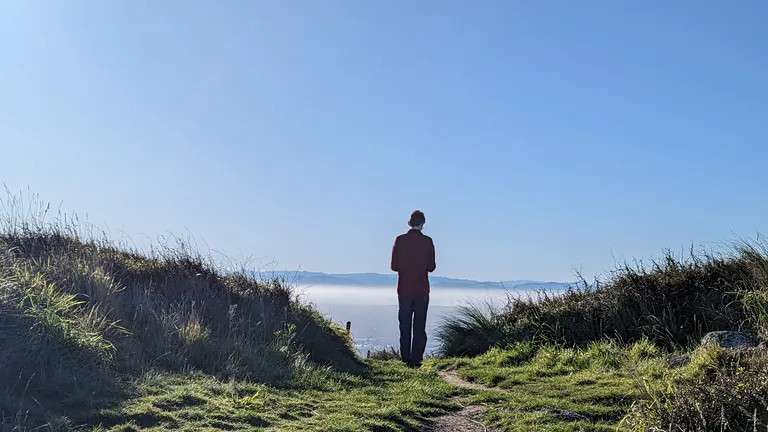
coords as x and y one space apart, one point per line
413 314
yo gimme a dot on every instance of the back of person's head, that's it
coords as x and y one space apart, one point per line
417 219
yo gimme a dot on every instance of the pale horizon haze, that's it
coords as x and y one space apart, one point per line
538 137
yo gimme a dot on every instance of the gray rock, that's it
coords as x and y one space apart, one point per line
679 360
567 415
728 339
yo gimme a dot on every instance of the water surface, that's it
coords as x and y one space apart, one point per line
373 310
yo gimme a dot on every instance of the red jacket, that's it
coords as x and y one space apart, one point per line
413 258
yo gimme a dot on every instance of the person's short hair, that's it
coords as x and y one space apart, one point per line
417 218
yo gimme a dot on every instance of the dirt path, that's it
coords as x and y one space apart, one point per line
466 420
469 418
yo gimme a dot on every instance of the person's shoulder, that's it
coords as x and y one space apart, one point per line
428 238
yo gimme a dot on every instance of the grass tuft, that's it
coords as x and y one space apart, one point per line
389 353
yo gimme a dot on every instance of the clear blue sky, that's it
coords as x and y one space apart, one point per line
537 136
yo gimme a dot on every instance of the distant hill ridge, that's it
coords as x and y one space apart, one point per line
381 280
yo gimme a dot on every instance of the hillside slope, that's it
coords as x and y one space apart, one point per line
80 319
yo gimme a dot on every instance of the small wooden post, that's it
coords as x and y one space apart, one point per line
349 326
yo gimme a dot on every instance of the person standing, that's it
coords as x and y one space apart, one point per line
413 258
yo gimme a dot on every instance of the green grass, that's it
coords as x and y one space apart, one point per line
671 303
392 398
717 390
611 388
535 386
603 387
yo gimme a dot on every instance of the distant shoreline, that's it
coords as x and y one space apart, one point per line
377 280
435 286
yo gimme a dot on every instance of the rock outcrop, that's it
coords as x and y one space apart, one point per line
729 340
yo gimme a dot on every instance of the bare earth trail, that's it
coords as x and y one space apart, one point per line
469 418
461 421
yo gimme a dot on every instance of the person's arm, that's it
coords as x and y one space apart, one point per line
395 263
431 265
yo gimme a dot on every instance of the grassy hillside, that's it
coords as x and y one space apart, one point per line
81 321
672 302
668 306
